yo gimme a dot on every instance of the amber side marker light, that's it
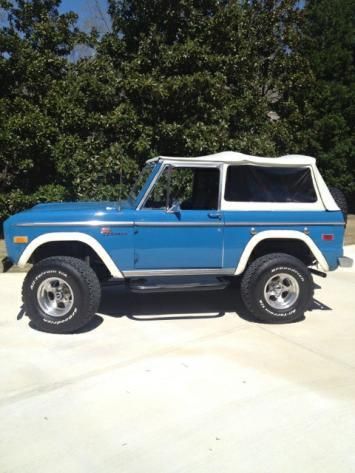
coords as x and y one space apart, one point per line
20 239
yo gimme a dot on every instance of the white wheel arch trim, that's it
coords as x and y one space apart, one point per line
116 273
288 234
71 236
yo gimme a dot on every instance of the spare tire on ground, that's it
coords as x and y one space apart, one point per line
340 200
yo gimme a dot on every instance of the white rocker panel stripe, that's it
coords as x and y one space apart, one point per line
71 236
295 235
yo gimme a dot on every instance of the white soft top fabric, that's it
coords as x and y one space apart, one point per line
233 157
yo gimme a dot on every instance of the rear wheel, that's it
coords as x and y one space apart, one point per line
277 288
61 294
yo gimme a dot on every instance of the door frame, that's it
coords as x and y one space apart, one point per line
140 207
166 164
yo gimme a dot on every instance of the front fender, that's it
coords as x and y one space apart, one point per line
71 236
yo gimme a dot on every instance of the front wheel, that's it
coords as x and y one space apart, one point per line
277 288
61 294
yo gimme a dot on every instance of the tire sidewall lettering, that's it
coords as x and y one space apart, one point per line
48 272
276 314
287 269
62 321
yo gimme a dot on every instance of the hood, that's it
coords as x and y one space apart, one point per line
72 212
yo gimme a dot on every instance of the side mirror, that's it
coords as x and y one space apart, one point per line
174 209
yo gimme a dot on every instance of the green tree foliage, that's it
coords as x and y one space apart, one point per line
185 77
56 141
202 76
34 44
328 129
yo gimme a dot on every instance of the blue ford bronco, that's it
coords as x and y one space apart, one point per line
188 224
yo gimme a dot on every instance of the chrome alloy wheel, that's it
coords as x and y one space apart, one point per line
55 297
281 291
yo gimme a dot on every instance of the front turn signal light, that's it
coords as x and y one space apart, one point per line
20 239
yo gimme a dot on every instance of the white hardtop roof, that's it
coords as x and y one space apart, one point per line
233 157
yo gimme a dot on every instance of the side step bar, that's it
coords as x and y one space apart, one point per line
178 284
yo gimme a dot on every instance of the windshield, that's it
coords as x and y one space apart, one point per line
140 181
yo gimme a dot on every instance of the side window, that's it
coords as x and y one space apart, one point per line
269 184
192 188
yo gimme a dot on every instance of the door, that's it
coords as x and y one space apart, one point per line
179 225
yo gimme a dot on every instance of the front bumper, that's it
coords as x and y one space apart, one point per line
345 262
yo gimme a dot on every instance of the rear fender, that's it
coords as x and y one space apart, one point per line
287 234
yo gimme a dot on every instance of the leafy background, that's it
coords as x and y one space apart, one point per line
82 102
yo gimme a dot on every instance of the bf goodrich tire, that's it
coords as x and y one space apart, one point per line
277 288
61 294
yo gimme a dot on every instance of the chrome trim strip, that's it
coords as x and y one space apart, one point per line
233 224
179 272
89 223
280 224
98 223
179 224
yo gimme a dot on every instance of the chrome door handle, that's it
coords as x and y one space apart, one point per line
215 215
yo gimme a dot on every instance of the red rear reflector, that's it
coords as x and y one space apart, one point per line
328 236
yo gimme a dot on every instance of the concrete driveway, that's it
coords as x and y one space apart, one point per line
180 383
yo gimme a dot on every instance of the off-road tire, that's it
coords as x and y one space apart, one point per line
340 200
254 283
85 287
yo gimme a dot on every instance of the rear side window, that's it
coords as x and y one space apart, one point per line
269 184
